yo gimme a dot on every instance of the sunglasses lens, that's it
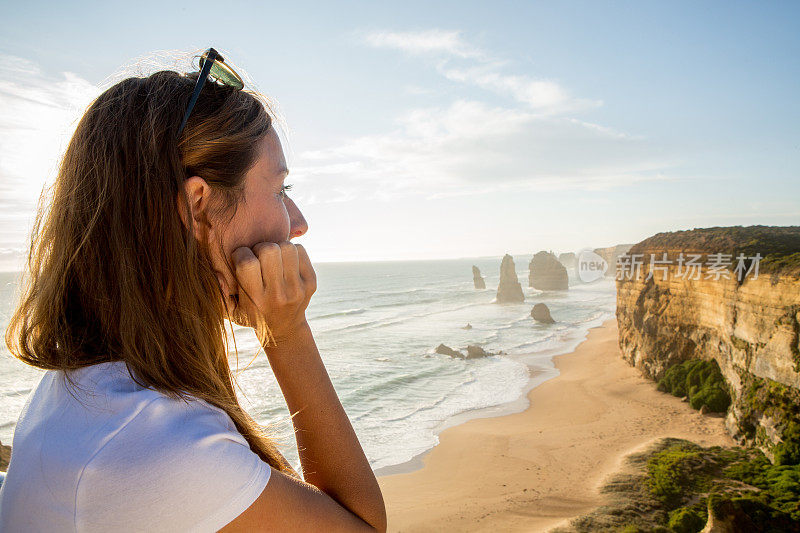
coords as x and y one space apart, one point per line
221 72
225 75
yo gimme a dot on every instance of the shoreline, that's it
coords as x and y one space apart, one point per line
539 374
537 377
539 467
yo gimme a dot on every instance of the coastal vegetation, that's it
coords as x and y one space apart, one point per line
676 485
712 342
766 398
779 247
777 262
700 381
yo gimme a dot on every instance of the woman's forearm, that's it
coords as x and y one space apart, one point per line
330 454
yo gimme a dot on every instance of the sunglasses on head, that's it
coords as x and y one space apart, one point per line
211 65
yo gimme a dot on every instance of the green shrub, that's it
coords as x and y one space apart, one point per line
702 373
677 483
779 484
671 472
716 399
764 397
701 381
788 451
686 520
675 380
751 512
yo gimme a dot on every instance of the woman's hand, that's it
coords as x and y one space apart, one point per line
275 284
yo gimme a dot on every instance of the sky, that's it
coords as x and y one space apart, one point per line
422 130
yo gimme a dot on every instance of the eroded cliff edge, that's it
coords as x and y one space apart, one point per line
750 326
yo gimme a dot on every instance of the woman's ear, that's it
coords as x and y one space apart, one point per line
197 192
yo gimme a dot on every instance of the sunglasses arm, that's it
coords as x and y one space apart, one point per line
201 80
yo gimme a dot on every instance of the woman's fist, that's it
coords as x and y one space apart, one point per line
275 284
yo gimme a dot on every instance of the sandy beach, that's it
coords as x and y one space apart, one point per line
535 470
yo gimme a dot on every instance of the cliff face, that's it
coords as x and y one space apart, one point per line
750 327
610 254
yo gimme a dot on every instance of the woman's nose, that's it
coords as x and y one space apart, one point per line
298 222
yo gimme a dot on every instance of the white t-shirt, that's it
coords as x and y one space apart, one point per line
125 459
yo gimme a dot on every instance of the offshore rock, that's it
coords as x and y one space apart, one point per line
446 350
547 273
568 259
474 351
541 313
477 279
509 289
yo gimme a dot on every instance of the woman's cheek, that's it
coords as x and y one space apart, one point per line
267 227
276 225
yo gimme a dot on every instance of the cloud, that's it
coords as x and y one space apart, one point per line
542 95
425 42
531 142
38 114
470 147
459 61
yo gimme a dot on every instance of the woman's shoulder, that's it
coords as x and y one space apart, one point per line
101 411
172 461
112 387
132 413
184 461
142 408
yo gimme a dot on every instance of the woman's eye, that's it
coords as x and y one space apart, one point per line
285 188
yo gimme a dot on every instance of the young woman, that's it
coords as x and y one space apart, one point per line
155 233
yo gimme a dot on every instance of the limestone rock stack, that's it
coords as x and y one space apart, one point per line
509 289
547 273
568 259
477 279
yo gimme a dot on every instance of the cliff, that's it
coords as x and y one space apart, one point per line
610 254
748 322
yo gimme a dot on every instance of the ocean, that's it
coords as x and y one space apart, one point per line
377 325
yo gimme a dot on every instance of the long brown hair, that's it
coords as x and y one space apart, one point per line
113 273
